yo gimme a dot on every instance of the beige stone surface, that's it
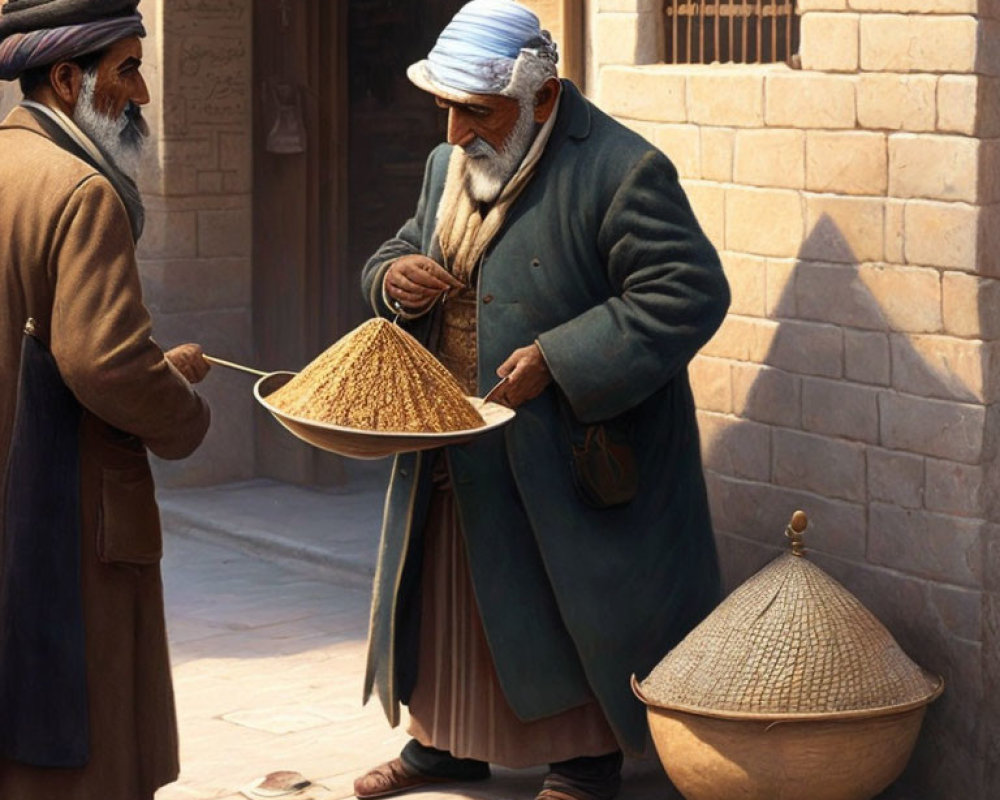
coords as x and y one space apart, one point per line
917 6
895 477
711 383
169 234
941 428
867 357
958 104
766 394
735 446
846 162
829 42
766 222
810 100
934 167
616 39
821 5
747 276
650 93
969 305
840 409
910 297
225 233
895 239
808 348
742 339
897 102
844 229
831 467
708 201
726 96
718 147
941 366
196 284
918 43
959 489
942 234
681 143
770 157
835 293
634 6
781 287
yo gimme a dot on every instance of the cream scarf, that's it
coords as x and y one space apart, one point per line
462 231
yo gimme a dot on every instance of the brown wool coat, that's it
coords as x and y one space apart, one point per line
67 259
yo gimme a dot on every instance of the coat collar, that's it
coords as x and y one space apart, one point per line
574 113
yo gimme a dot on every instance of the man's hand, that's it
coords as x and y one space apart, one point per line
416 281
527 375
188 358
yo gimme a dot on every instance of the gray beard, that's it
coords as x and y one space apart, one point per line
118 138
489 170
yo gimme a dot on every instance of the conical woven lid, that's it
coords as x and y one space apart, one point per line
790 641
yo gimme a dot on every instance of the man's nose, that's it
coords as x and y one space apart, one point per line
459 131
141 96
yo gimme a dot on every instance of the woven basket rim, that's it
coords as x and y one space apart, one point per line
777 716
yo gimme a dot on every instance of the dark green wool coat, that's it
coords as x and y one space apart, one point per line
602 262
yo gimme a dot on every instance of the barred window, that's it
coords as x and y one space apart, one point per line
742 31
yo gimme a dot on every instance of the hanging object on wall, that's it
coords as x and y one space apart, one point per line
284 118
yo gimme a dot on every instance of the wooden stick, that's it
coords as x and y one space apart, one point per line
231 365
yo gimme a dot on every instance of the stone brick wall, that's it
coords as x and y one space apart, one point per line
855 203
197 182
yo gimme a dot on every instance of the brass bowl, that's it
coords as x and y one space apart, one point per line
847 756
365 444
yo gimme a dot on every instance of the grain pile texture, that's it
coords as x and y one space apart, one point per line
378 378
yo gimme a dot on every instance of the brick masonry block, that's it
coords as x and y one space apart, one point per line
866 357
766 222
988 108
940 366
958 489
844 229
711 383
196 284
747 276
988 241
829 42
770 157
910 297
682 144
781 287
742 339
617 39
958 104
941 235
830 467
922 43
649 93
848 162
726 96
834 293
224 233
634 6
988 54
895 478
808 348
931 546
934 167
169 234
767 395
760 512
969 305
895 211
821 5
940 428
735 447
989 164
717 150
708 201
840 409
917 6
810 100
897 102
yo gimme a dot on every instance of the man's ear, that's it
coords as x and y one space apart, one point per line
545 100
66 79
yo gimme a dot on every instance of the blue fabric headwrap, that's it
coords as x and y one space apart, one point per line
477 50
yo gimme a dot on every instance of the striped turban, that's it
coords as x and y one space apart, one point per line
38 34
480 50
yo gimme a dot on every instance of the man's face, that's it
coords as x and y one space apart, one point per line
487 117
108 107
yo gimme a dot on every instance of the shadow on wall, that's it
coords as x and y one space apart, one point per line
10 96
838 416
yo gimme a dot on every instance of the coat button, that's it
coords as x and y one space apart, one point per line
403 473
535 262
487 298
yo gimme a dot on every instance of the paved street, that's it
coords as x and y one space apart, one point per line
267 603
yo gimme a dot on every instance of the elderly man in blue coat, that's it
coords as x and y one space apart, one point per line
524 577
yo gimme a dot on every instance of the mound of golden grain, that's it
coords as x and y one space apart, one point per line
378 378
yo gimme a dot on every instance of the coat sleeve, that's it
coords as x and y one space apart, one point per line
670 296
101 331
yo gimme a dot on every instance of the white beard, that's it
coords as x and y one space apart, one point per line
119 138
489 170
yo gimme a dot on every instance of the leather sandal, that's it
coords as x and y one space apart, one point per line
392 777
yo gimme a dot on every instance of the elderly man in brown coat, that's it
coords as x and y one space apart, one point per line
86 703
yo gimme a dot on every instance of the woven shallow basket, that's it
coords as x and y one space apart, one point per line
790 690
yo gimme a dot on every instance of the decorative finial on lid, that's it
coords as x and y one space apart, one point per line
794 531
